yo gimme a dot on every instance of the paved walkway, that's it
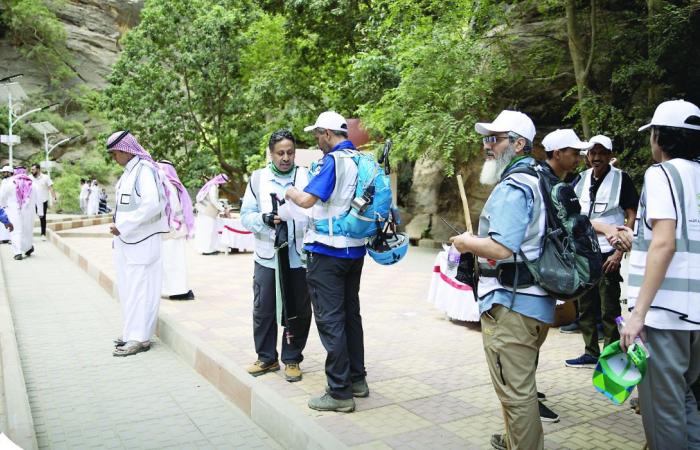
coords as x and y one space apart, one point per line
84 398
428 378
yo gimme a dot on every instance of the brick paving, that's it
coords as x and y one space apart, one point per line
81 396
427 375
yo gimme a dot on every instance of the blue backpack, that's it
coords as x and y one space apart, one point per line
371 206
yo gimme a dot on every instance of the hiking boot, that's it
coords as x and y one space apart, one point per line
584 361
499 442
547 415
571 328
327 403
260 368
359 389
292 372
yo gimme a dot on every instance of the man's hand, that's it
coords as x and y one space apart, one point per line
113 229
634 326
9 226
461 242
613 262
270 219
622 239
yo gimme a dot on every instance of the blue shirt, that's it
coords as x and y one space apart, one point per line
322 185
510 211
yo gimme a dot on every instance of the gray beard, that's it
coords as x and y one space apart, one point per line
493 168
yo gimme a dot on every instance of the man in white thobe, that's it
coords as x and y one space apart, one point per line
175 285
19 196
5 174
209 207
93 199
43 186
139 221
84 192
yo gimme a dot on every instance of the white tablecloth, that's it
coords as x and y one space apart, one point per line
450 296
233 235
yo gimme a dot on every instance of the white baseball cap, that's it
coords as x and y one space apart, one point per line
506 121
602 140
330 120
674 113
6 169
566 138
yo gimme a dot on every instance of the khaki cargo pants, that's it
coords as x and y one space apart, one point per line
512 342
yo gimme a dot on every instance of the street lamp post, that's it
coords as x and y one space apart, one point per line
46 128
9 85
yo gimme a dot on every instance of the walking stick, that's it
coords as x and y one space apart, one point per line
465 204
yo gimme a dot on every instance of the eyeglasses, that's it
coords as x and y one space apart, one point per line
493 139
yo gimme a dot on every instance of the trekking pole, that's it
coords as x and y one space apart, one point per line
465 204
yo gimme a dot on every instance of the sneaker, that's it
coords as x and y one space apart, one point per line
571 328
327 403
585 361
43 237
260 368
541 396
498 441
292 372
547 415
359 389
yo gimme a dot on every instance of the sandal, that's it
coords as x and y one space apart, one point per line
119 342
131 348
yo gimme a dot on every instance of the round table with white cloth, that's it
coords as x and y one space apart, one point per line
450 296
233 235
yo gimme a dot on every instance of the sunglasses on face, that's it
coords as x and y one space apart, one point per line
493 139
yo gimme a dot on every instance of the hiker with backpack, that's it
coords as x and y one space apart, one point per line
277 271
334 265
664 276
515 312
609 199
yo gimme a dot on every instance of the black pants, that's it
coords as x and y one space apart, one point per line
42 216
334 285
264 317
606 298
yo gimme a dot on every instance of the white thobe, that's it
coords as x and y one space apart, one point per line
93 201
174 259
22 219
139 265
84 191
206 237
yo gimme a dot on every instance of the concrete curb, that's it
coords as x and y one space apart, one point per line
272 412
20 423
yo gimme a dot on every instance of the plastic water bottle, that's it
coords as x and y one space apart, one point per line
453 257
620 322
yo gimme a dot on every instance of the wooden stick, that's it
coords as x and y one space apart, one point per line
465 204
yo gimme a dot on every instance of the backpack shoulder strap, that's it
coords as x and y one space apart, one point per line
255 183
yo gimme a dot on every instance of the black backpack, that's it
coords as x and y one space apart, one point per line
570 263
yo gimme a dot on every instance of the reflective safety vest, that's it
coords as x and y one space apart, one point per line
606 208
262 183
129 200
680 290
532 243
337 205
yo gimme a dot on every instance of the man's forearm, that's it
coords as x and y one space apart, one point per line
301 198
485 247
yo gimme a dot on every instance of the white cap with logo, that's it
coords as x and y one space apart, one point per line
561 139
602 140
329 120
675 113
506 121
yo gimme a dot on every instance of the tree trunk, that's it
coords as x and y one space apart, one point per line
581 57
653 8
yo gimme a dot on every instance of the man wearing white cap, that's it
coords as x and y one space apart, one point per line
664 278
5 174
334 265
515 313
609 199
